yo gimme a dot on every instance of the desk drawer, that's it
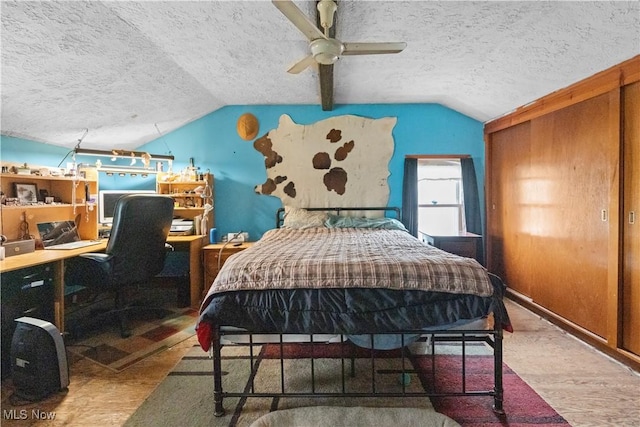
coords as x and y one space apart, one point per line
467 245
29 291
466 248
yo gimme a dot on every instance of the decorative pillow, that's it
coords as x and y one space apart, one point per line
336 221
301 218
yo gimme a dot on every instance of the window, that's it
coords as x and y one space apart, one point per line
443 197
440 196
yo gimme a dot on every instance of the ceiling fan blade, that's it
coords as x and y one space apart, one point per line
299 19
302 65
373 48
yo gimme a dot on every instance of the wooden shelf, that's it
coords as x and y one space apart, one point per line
182 195
161 179
65 188
176 183
187 209
180 192
43 206
18 177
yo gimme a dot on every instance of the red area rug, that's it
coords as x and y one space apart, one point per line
522 405
194 405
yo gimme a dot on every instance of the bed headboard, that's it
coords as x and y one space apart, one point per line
396 210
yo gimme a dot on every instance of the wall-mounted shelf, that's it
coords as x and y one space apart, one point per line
43 206
188 203
60 187
184 195
179 209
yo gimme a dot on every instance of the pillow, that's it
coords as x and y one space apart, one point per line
336 221
301 218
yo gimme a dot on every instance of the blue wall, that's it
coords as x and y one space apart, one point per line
237 167
17 150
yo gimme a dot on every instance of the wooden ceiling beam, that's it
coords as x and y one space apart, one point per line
325 72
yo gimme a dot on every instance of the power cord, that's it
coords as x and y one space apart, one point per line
225 245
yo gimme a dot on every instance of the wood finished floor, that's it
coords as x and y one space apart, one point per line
583 385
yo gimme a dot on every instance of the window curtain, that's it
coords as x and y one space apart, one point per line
410 196
471 198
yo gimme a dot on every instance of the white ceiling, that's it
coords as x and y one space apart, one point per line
121 68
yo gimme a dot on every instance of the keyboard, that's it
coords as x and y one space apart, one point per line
75 245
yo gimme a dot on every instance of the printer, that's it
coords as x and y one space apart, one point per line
181 227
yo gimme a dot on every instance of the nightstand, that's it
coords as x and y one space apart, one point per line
464 244
211 253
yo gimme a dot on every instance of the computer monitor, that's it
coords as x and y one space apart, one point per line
107 202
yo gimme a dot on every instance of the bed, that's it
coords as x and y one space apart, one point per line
333 275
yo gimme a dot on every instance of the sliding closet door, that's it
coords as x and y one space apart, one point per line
508 207
574 168
631 221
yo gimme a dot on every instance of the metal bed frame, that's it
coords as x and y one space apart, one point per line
492 337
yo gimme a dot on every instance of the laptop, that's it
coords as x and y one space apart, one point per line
63 235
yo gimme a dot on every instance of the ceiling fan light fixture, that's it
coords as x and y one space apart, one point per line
325 48
326 58
326 8
326 51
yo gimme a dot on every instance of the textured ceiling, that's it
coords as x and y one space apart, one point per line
121 68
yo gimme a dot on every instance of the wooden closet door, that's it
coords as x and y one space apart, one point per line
631 222
574 170
508 213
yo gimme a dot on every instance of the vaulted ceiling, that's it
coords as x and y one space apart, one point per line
126 70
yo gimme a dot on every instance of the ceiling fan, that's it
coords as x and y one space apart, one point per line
326 50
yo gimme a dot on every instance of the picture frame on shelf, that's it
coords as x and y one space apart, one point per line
26 193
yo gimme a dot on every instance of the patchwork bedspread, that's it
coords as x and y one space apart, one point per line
321 258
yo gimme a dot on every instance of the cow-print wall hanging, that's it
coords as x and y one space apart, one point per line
341 161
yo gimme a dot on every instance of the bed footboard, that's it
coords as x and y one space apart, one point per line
425 366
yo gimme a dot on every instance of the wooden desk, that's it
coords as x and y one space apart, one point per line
193 244
57 259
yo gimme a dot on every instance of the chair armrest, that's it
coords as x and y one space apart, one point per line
97 257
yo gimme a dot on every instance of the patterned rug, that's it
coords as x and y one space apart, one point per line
522 405
150 335
185 397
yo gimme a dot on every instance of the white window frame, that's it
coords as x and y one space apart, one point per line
461 220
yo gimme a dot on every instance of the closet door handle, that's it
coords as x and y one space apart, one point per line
632 217
603 215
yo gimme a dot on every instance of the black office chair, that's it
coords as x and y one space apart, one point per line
135 252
